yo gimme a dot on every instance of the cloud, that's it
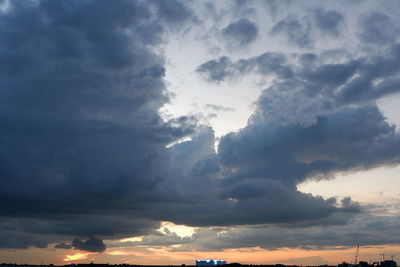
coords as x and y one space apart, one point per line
241 32
316 77
378 29
63 245
167 238
328 21
22 240
219 108
363 230
174 12
308 238
302 32
80 94
218 70
85 153
316 118
93 244
39 231
297 32
291 152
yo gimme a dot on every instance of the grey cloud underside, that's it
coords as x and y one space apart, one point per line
329 21
241 32
93 244
303 32
296 31
356 80
85 154
378 29
219 108
365 230
223 68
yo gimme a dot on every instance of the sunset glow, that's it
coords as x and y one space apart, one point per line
75 257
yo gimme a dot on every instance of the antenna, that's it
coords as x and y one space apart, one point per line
355 260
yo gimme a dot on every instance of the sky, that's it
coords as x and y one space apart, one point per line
164 131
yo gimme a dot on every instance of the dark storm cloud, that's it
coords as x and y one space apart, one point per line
93 244
24 232
270 202
81 133
22 240
242 32
80 225
296 31
214 191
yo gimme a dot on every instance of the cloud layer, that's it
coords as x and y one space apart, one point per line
81 131
86 156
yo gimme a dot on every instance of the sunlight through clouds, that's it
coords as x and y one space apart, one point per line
76 256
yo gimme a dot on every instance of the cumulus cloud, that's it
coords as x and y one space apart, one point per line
291 151
316 118
302 118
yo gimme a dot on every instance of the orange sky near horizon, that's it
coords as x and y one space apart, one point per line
160 256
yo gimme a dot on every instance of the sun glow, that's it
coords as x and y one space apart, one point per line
119 253
76 256
180 230
132 239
